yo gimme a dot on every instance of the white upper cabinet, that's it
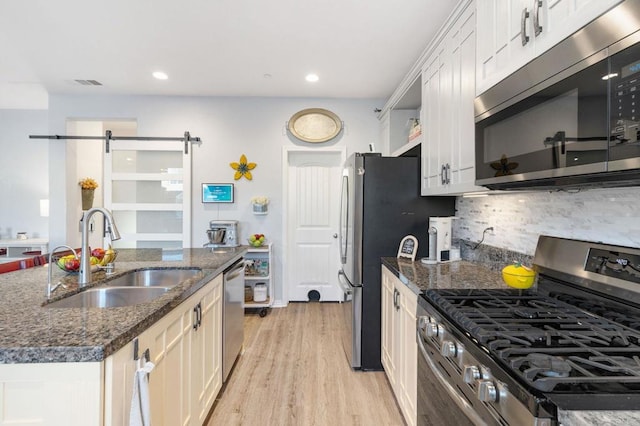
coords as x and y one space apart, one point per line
448 91
511 33
398 133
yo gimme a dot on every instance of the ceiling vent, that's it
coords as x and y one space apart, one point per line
88 82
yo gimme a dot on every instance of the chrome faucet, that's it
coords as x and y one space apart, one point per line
51 289
85 259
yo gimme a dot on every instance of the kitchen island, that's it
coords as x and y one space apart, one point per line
49 355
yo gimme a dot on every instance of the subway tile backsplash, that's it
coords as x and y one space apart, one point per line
518 218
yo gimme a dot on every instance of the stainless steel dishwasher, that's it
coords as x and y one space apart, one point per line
232 316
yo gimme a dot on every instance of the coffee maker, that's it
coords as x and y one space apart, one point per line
223 233
439 239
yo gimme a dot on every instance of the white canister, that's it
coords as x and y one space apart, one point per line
260 292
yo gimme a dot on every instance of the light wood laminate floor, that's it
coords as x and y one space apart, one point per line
294 372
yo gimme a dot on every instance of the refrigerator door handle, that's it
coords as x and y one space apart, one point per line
344 284
344 218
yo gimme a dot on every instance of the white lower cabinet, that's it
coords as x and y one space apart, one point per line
186 348
399 346
52 394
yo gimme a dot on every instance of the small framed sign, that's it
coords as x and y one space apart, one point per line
408 247
217 193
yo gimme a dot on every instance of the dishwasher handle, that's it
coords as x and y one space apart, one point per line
234 271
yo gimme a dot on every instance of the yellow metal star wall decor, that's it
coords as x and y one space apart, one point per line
243 168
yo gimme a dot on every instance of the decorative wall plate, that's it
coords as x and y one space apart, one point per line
315 125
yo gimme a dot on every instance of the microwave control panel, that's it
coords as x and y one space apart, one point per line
625 112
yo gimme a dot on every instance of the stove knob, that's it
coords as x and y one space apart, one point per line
432 329
448 349
471 374
487 391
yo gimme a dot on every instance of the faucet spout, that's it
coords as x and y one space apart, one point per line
50 288
85 259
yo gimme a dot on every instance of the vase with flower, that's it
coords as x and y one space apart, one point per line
87 187
260 205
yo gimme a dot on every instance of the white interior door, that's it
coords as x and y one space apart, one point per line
313 201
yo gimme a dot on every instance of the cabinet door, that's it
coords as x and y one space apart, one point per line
409 364
561 18
463 48
118 387
500 46
170 380
500 49
388 326
432 171
207 352
449 91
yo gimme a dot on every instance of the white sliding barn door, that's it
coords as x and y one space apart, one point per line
311 224
148 189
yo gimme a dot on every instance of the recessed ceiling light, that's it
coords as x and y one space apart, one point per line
312 78
160 75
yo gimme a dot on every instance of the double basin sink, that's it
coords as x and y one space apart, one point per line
132 288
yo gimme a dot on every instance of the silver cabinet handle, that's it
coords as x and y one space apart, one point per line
195 317
448 170
523 27
335 235
443 175
537 28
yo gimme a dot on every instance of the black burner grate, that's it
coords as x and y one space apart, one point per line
582 351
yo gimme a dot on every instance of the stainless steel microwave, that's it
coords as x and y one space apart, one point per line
569 118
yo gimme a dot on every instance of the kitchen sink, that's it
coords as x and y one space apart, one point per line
109 297
153 278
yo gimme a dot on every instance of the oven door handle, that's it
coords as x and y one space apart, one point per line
461 401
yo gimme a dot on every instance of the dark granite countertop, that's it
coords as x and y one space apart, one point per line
31 333
420 277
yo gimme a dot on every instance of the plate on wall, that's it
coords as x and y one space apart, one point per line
315 125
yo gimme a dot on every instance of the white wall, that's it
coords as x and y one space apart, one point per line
24 172
228 127
607 215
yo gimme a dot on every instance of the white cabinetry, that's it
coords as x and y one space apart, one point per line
186 348
396 120
206 351
53 394
507 37
448 150
399 346
258 270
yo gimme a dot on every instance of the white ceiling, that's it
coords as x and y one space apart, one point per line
359 48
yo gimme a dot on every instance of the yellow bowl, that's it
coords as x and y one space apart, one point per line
518 276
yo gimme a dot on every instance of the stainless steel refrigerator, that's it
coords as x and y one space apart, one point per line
380 204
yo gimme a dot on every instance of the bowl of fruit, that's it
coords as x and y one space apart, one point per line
99 257
256 240
69 263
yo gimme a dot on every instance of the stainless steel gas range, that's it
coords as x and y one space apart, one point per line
569 345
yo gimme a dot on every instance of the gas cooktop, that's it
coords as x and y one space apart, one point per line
550 344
